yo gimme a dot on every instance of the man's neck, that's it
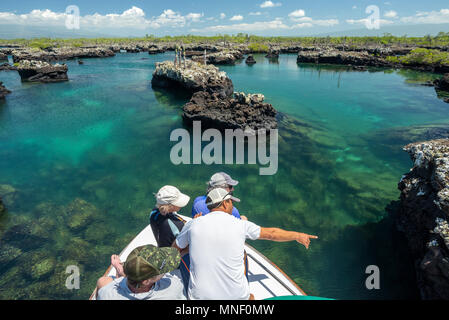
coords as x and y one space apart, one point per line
219 210
141 289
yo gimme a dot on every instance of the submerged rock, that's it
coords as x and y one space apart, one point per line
250 60
39 71
424 213
8 253
9 194
42 268
246 112
192 77
2 207
3 91
21 236
79 213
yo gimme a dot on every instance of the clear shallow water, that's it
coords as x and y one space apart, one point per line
104 137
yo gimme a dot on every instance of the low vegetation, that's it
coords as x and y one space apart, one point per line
422 56
440 40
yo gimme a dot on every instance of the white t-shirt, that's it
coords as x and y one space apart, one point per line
170 287
216 245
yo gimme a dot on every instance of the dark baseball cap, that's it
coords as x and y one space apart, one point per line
148 261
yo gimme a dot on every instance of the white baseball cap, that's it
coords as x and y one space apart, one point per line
218 195
171 195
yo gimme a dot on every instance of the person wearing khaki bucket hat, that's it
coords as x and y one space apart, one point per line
149 273
165 222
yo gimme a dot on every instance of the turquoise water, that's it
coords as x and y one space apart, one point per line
104 137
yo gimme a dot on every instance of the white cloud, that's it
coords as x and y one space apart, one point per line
297 14
258 13
367 20
222 15
276 24
307 22
354 7
432 17
169 18
133 18
236 18
270 4
195 17
391 14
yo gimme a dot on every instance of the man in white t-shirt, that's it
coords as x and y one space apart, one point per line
216 246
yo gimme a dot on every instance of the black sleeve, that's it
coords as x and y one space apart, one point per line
155 228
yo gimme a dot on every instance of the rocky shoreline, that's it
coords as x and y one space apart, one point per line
220 53
423 215
351 58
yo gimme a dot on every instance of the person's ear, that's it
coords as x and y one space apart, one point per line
228 204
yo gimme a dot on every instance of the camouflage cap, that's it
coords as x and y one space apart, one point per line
149 261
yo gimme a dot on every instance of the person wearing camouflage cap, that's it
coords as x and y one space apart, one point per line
149 273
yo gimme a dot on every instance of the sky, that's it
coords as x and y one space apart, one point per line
208 17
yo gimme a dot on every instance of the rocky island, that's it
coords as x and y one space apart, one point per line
40 71
423 215
243 111
65 53
250 60
220 57
193 77
214 101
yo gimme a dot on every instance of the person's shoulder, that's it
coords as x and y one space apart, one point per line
111 287
170 287
154 214
199 198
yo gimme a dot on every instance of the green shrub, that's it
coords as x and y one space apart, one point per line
423 56
258 47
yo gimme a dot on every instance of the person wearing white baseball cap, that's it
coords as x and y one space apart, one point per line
165 222
216 245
